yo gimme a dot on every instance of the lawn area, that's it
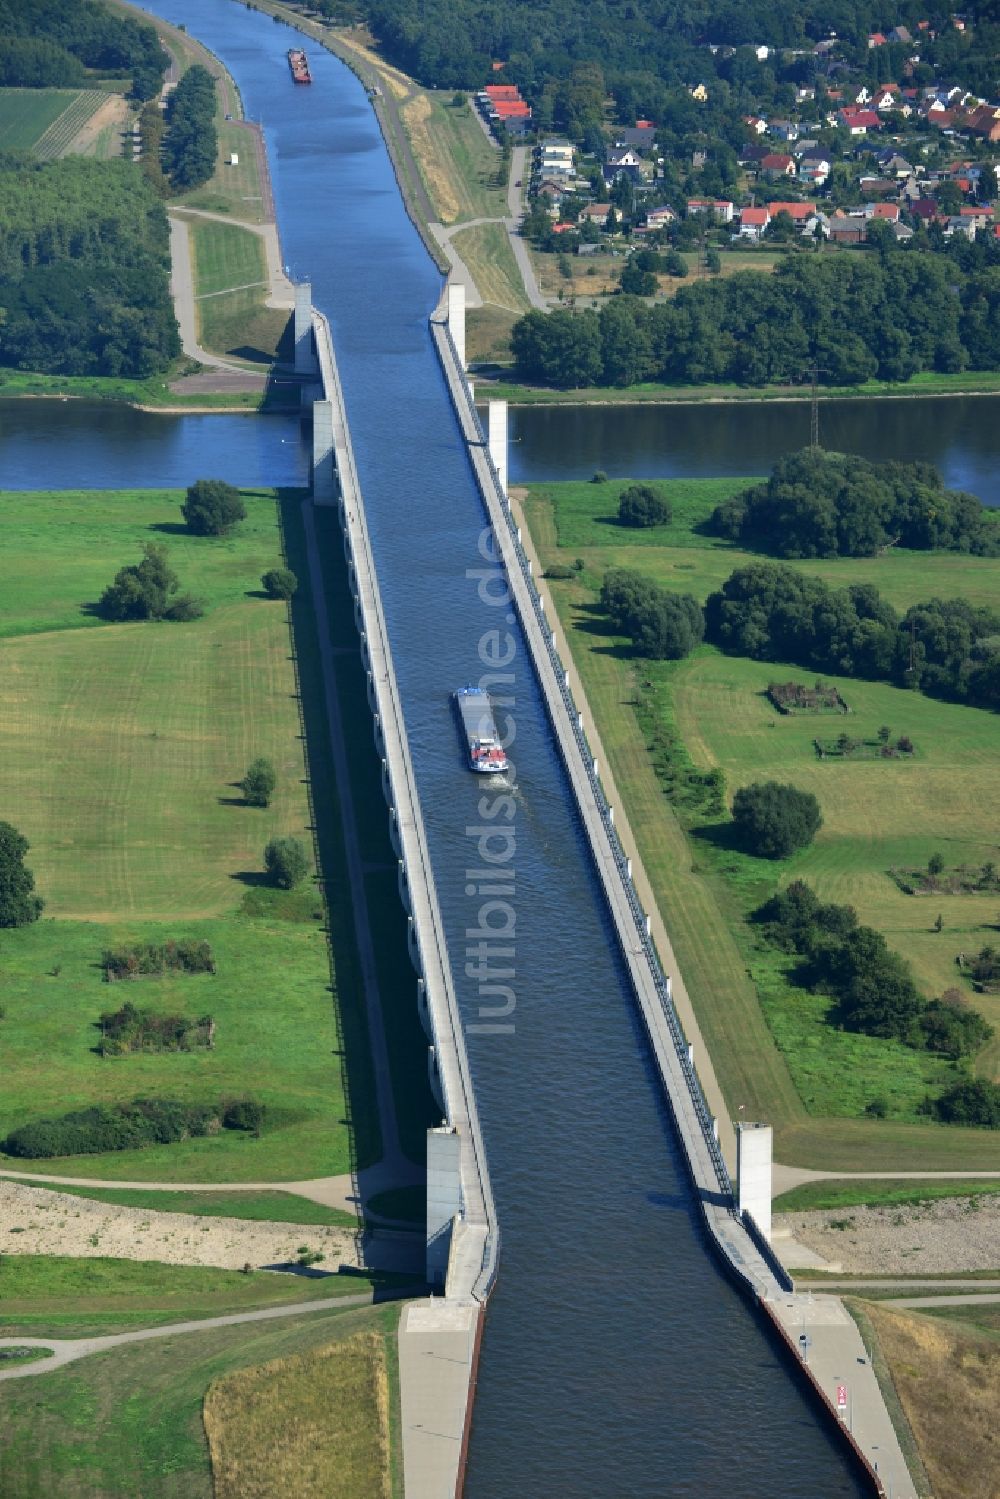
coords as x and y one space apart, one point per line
924 384
140 833
129 1422
458 164
487 334
226 256
487 253
27 113
154 392
811 1081
312 1424
231 189
59 1296
260 1207
812 1196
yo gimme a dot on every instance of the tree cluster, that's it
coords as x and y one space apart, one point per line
124 1126
873 986
84 259
212 507
974 1102
130 1030
285 862
773 820
148 590
853 318
19 905
191 142
48 44
819 504
775 613
642 506
662 625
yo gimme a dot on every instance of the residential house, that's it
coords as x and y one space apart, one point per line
659 218
888 213
886 97
699 92
858 94
756 123
925 209
784 130
891 164
957 224
983 122
858 121
901 35
799 213
639 136
815 167
805 95
876 40
846 230
753 155
902 232
775 164
753 222
595 213
878 187
623 162
721 208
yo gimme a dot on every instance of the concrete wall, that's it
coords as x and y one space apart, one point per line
456 317
497 438
754 1146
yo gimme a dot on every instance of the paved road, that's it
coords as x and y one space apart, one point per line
519 173
846 1287
786 1177
68 1350
985 1299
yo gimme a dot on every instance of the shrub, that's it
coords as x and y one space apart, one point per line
559 570
774 820
259 782
130 1030
146 590
950 1026
126 1126
19 906
279 582
974 1101
245 1114
285 862
599 476
212 507
145 959
640 505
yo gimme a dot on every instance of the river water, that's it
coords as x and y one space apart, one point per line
617 1361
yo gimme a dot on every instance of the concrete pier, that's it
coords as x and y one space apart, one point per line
496 428
754 1149
456 317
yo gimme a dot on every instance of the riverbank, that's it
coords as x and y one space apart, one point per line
492 386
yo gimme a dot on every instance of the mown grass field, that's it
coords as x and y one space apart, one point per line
231 189
312 1424
59 1296
812 1081
487 253
119 747
129 1422
226 256
261 1207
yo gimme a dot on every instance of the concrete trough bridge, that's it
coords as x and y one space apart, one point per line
463 1235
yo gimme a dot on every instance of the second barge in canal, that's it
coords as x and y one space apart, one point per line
479 731
299 64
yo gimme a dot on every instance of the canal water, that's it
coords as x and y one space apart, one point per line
617 1361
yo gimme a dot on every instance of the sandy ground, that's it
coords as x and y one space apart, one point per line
34 1220
114 112
952 1234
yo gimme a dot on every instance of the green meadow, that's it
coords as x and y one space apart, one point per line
771 1042
120 749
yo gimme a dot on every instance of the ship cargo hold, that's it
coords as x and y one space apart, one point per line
299 65
479 731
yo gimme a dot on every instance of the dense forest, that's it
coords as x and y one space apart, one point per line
854 318
84 267
49 44
818 504
555 48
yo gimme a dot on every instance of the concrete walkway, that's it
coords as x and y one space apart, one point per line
986 1298
444 234
182 291
282 292
436 1348
68 1350
838 1359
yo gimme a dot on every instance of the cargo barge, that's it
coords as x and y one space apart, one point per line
479 731
299 65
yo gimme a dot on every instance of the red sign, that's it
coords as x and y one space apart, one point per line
842 1397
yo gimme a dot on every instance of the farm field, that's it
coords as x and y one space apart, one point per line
795 1070
45 121
119 749
130 1422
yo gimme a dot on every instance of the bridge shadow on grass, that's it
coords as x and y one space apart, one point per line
252 878
405 1039
170 528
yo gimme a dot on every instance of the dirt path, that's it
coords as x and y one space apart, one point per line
784 1178
68 1350
945 1235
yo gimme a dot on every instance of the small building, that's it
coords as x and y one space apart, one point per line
234 159
720 208
753 222
777 164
